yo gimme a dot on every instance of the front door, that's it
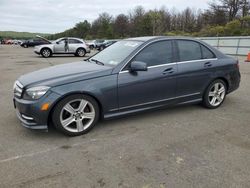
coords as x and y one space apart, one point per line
59 47
155 86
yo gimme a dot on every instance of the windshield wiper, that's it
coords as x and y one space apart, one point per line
97 62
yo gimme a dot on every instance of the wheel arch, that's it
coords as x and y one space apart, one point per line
217 78
74 93
81 48
46 47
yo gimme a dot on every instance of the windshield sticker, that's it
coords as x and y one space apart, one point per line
131 44
113 62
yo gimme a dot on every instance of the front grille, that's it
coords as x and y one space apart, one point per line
18 89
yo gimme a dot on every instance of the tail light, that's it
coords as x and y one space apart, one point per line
238 64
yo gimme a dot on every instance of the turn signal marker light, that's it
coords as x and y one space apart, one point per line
45 107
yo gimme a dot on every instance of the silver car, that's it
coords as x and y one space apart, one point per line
66 45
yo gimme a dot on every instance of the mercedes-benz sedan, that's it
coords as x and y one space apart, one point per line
130 76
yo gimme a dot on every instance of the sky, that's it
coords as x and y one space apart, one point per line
52 16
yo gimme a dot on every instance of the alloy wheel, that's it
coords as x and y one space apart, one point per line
46 53
77 115
81 52
216 94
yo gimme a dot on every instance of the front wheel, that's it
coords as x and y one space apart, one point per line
215 94
46 52
76 115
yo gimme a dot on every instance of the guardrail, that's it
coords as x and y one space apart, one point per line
230 45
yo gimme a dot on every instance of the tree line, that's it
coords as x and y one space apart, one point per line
222 18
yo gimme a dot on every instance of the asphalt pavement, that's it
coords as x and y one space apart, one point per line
185 146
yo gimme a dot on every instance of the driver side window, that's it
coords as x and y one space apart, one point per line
157 53
62 41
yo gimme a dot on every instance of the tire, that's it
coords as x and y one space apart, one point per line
101 48
80 52
76 115
25 46
91 47
46 52
215 94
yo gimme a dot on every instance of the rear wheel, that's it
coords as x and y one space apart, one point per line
45 52
76 115
215 94
80 52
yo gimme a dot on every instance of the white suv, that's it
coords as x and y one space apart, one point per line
66 45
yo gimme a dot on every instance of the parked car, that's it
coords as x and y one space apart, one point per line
130 76
34 42
66 45
95 43
92 44
9 42
99 42
17 42
105 44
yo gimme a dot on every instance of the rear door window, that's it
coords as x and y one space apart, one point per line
74 41
189 50
206 53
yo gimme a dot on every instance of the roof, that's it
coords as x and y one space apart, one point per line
149 38
144 39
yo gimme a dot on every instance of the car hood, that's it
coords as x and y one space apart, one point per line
65 73
38 36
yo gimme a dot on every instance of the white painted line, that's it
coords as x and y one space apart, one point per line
41 152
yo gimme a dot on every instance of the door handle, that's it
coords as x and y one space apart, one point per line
168 71
208 64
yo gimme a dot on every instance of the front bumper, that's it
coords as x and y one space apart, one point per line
37 51
27 122
30 113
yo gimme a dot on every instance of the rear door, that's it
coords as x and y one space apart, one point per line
196 66
73 45
157 85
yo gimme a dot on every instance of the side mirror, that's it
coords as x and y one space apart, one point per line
138 66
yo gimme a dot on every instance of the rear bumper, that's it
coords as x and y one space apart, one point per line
234 81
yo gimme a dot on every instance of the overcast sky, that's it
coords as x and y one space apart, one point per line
51 16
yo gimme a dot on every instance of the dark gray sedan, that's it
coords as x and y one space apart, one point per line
130 76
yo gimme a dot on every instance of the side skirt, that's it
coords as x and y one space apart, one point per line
118 113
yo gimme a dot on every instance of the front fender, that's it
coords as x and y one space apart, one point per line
47 46
103 89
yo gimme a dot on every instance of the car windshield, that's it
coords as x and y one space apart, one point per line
116 53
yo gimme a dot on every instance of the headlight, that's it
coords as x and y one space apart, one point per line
37 92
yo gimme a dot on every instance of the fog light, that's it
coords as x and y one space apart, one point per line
45 107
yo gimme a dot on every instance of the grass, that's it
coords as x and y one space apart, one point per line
20 35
